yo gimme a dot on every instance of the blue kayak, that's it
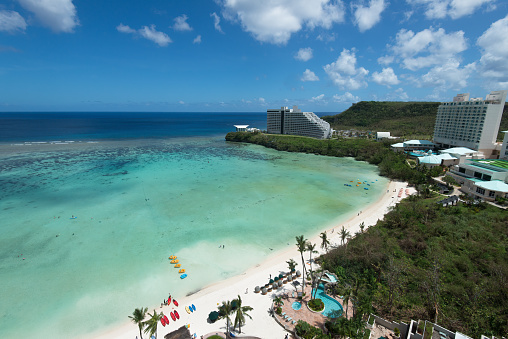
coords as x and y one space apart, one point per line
183 276
193 307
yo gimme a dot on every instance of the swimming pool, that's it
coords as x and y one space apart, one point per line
327 277
296 305
333 309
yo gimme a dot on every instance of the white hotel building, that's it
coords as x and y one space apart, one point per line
472 123
294 121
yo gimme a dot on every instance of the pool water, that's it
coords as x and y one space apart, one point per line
296 305
333 309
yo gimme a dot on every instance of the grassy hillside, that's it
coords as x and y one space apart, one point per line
404 119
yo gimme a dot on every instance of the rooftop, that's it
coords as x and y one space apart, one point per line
503 164
494 185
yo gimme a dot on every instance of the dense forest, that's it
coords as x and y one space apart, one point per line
403 119
422 261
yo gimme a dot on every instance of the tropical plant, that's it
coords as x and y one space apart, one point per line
324 241
240 313
278 301
346 297
301 245
311 248
152 322
225 311
362 226
344 234
137 317
291 264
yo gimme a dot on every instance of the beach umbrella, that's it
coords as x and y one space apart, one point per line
281 276
290 277
280 283
213 316
263 290
271 281
298 273
256 289
276 278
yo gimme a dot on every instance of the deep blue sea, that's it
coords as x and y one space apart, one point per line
93 204
20 127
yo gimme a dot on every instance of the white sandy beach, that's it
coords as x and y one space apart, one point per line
262 324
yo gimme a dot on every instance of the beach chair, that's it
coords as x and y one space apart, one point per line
293 322
289 319
232 335
283 313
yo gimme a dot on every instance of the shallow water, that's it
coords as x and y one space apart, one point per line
136 203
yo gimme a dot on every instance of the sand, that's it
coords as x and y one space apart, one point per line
262 324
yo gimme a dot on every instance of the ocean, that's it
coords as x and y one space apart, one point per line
93 204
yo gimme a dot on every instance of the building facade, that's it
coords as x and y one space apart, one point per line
470 122
295 122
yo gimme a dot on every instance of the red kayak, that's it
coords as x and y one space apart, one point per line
175 302
177 315
169 301
166 320
173 316
163 321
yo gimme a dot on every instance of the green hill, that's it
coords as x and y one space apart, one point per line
403 119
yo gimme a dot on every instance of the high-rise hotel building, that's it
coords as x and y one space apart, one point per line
294 121
472 123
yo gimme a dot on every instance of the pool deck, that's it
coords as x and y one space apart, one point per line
313 318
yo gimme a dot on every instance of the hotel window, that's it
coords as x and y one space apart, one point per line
492 194
480 190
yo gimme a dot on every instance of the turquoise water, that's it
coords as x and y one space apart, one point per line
137 202
296 305
333 308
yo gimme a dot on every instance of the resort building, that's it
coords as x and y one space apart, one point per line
470 122
504 148
484 179
447 157
245 128
295 122
414 145
384 135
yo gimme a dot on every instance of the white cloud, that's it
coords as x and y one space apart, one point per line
274 21
304 54
150 33
367 17
439 9
387 77
426 48
11 21
125 29
308 75
160 38
318 98
181 102
181 23
494 61
216 22
346 97
344 73
197 40
59 15
400 94
447 76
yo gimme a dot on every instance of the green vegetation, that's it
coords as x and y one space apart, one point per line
137 317
316 305
423 261
228 308
410 120
307 331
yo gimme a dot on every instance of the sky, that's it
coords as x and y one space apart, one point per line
246 55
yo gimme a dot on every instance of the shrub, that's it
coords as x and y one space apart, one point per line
316 305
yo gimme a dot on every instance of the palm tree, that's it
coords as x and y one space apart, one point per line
345 299
344 235
241 312
137 317
301 245
362 226
227 309
278 301
324 241
311 248
152 322
291 264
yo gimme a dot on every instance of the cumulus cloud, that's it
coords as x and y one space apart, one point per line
440 9
343 71
346 97
304 54
274 21
59 15
11 21
318 98
367 17
387 77
150 33
426 48
308 75
447 76
216 22
494 61
181 23
197 40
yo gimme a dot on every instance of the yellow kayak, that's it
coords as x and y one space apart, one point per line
177 265
174 261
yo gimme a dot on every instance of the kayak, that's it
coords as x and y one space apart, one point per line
166 320
163 321
173 316
187 310
169 301
183 276
175 302
193 307
177 315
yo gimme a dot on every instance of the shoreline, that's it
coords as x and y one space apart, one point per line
261 324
